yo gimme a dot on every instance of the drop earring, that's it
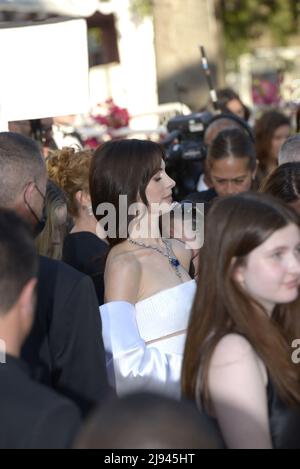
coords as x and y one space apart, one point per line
90 210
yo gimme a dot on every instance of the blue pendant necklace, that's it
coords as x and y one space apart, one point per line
174 262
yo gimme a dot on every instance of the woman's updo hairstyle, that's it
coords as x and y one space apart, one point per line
69 169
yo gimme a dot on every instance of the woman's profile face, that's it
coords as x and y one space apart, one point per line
235 106
280 135
159 190
271 274
231 176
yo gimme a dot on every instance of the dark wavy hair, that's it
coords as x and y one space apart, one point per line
283 182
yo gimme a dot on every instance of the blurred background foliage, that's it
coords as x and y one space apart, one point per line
247 21
142 7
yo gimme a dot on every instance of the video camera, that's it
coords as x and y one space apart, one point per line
185 150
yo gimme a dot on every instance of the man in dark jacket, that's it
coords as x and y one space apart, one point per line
65 348
31 415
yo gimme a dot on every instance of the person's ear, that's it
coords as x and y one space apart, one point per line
86 199
238 272
79 197
29 192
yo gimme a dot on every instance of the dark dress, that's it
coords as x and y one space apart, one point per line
284 422
32 416
87 253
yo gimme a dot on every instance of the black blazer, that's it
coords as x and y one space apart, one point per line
31 415
65 348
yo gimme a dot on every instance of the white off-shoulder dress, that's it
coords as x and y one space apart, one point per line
144 342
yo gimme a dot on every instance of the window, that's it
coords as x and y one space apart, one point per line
102 39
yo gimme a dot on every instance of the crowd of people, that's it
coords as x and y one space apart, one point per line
128 320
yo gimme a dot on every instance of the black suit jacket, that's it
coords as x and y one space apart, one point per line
31 415
65 348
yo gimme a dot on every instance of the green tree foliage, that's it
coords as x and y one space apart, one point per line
142 8
247 20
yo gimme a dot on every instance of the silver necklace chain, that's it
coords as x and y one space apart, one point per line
174 262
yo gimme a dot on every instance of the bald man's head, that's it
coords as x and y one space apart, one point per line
21 162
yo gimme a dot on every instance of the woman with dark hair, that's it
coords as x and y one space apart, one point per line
271 131
231 162
284 183
148 291
239 361
229 101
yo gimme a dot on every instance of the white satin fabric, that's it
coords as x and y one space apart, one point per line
144 343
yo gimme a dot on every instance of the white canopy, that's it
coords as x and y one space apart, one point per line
61 7
52 83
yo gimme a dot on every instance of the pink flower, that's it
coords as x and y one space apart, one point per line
265 92
113 116
91 143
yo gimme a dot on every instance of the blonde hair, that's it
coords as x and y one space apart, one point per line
69 169
50 242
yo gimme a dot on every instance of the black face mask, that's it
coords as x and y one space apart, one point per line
40 222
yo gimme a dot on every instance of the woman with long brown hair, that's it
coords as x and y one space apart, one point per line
148 291
271 130
239 361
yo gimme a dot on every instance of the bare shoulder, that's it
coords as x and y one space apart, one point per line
231 349
122 276
183 254
237 390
